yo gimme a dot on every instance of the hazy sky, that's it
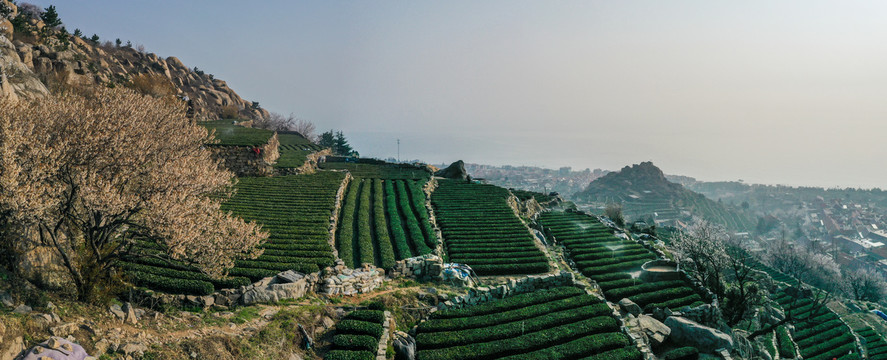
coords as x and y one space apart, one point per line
791 92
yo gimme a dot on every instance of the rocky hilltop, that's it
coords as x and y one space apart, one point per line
35 58
645 192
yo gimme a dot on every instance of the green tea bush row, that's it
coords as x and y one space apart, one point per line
171 285
510 303
784 343
498 331
355 342
682 353
507 316
364 231
383 239
535 341
401 246
345 238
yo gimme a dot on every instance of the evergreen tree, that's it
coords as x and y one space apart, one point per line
327 140
94 38
118 42
78 33
50 17
341 145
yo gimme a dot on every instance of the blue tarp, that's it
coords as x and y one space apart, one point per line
881 314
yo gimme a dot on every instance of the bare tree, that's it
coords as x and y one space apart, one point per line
614 212
305 127
816 277
864 284
278 122
91 173
743 292
702 250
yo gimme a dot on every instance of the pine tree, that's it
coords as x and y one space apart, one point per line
78 33
341 146
50 17
94 38
327 140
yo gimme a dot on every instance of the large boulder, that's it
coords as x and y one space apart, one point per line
690 333
16 79
11 348
630 307
56 348
456 170
404 346
655 330
6 28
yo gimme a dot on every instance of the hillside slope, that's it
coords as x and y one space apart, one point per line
643 191
57 58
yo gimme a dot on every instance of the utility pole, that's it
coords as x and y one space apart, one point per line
398 150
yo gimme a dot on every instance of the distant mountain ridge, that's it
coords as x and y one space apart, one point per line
644 191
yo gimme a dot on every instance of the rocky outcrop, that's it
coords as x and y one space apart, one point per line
17 81
655 331
61 59
629 307
690 333
404 346
286 285
57 348
456 170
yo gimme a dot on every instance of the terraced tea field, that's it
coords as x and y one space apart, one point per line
560 323
876 347
383 221
608 259
230 134
524 195
379 171
481 230
294 150
294 210
821 335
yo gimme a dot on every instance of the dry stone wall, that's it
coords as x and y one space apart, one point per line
420 267
245 161
512 287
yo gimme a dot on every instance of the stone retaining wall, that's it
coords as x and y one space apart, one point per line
512 287
337 209
338 280
419 267
387 325
243 160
